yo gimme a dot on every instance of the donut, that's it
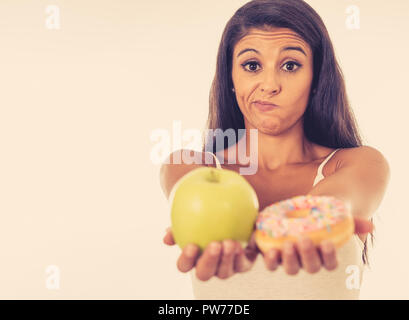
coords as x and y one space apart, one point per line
317 217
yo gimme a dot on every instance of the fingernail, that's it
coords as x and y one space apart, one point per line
327 246
288 248
271 254
190 252
215 248
305 244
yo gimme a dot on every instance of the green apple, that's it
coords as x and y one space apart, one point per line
212 204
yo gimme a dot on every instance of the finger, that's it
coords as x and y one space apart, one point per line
207 264
168 238
290 259
328 255
272 259
252 244
251 250
188 257
251 253
363 226
310 259
241 262
226 267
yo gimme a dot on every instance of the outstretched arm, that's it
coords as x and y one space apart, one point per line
360 179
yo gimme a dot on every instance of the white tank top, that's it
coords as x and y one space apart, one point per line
260 283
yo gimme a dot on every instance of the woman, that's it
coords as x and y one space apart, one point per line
277 73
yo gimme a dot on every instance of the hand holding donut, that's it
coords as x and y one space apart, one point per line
305 231
220 258
311 257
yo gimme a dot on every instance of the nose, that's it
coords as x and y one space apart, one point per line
270 82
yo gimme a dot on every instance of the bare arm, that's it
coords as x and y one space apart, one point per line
361 180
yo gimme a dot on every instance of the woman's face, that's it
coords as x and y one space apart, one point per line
264 70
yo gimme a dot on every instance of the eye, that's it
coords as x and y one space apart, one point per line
292 64
253 66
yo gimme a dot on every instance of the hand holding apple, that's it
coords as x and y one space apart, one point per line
210 204
230 258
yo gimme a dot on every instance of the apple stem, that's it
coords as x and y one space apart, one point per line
214 176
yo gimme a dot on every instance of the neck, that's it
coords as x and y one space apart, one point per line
277 151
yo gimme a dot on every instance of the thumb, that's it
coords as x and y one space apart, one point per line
363 226
168 238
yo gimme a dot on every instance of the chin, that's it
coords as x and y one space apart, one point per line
267 125
269 130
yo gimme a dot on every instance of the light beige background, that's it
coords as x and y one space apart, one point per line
78 105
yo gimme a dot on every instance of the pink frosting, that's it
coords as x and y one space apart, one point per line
324 212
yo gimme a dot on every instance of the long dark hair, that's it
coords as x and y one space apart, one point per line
328 118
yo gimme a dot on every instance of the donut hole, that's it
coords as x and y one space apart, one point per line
300 213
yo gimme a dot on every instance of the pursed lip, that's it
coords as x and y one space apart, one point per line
265 103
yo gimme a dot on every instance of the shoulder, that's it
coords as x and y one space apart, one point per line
361 177
175 166
365 164
363 156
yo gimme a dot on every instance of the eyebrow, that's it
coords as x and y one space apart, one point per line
284 49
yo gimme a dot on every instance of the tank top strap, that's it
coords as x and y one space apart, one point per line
325 161
319 175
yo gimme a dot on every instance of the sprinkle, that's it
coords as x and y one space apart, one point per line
324 212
